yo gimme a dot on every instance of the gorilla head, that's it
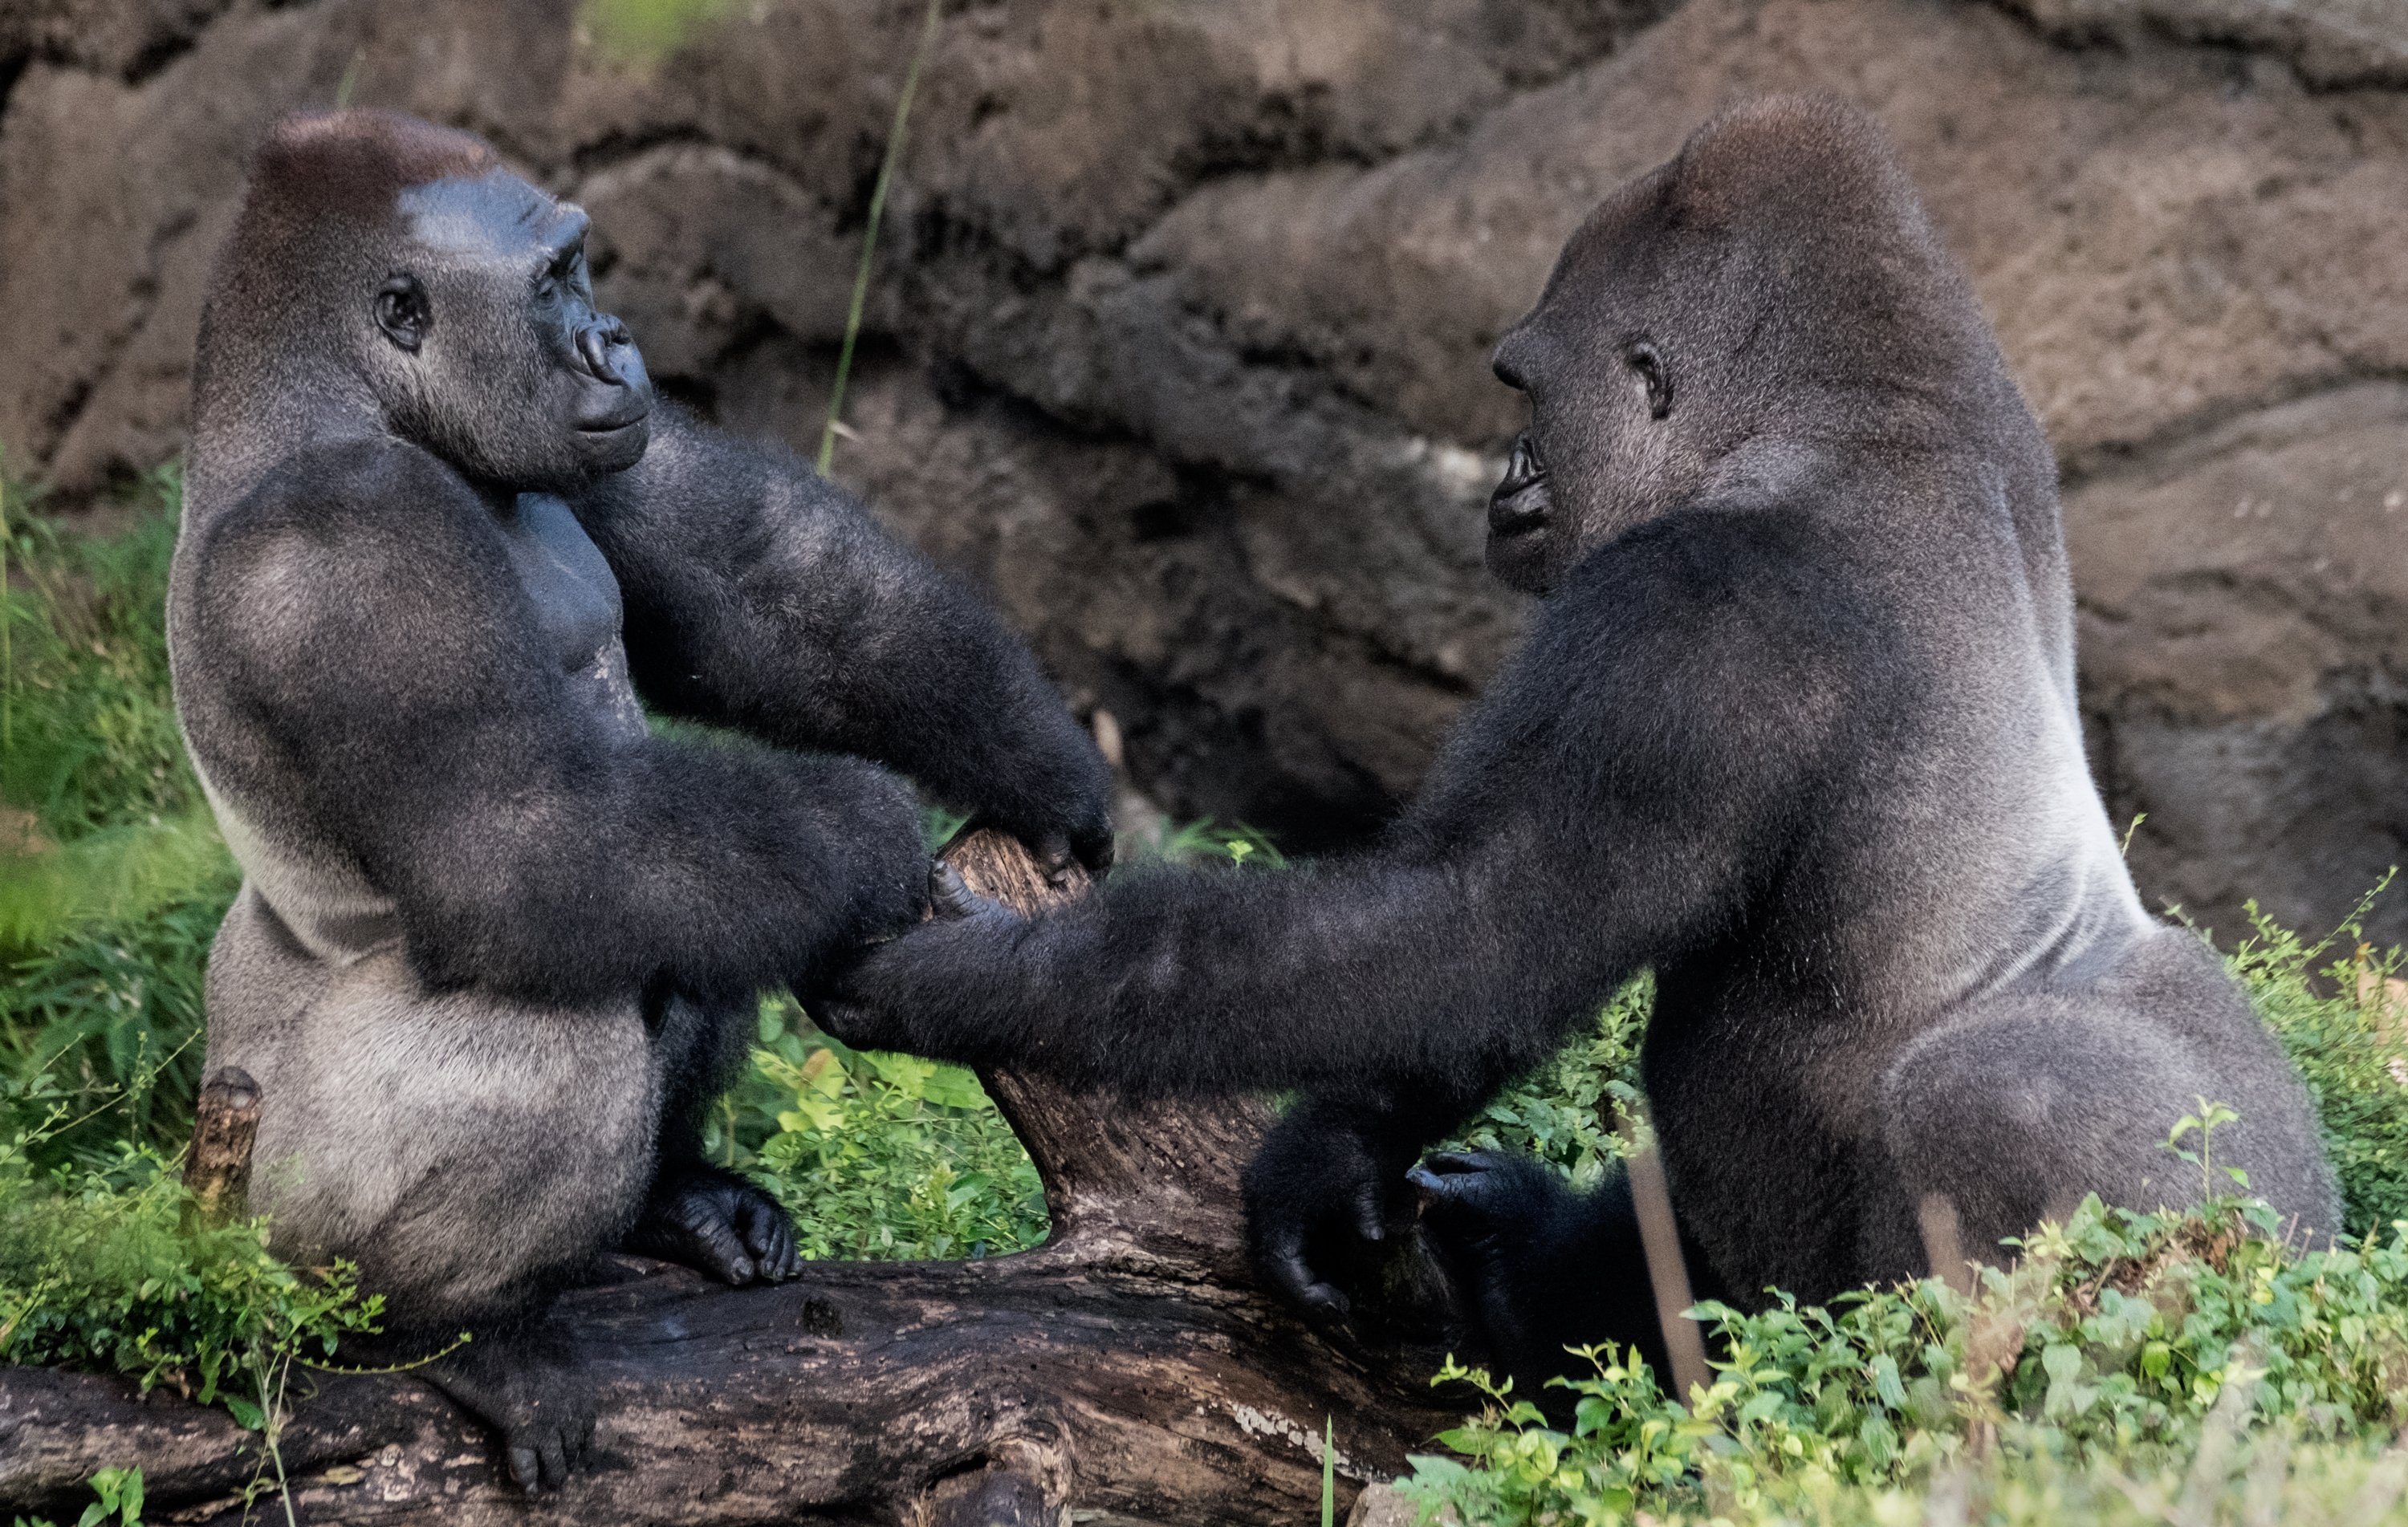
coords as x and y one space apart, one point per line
392 269
1715 320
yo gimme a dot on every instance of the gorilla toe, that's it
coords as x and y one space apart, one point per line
530 1391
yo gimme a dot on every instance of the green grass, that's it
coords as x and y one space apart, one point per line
2136 1368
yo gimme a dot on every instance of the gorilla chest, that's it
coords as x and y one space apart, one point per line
576 611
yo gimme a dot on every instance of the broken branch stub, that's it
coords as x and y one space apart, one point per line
225 1122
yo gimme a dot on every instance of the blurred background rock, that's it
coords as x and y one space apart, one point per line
1178 338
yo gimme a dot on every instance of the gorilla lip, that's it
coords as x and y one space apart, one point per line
1521 501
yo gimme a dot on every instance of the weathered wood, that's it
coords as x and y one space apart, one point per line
226 1121
1123 1368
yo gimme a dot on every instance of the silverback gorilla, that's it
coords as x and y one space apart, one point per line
497 947
1794 728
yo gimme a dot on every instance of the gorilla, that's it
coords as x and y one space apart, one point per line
497 947
1794 728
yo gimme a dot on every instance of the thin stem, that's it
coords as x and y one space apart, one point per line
7 651
869 235
351 76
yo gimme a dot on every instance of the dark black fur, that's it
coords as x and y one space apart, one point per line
497 950
1794 728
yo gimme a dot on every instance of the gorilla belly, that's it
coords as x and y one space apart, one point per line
466 1152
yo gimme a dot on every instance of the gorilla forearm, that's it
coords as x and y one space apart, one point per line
762 597
1383 978
717 870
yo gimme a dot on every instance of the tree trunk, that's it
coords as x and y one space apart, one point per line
1126 1371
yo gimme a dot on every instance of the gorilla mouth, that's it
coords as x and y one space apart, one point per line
1521 501
613 425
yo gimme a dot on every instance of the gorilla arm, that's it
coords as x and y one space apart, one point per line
1612 803
761 596
381 650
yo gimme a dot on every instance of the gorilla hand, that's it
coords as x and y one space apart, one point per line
1323 1196
711 1218
1079 831
1540 1267
857 1005
1486 1208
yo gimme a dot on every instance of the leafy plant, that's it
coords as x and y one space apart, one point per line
112 876
1563 1112
879 1157
2115 1338
1207 842
2341 1011
117 1495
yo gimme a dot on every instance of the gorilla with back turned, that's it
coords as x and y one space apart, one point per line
1794 728
497 947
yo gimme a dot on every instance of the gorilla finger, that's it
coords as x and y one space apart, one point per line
770 1237
721 1252
524 1471
1458 1161
952 899
1052 851
1371 1211
551 1452
1458 1199
1292 1279
1324 1301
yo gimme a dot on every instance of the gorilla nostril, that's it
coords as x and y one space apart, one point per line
594 342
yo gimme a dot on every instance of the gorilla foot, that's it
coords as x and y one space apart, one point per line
529 1389
714 1221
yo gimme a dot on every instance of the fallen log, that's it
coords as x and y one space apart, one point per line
1126 1371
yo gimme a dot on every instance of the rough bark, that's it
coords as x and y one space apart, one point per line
1125 1369
225 1122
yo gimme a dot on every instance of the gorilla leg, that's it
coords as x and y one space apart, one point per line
705 1216
2016 1114
1542 1267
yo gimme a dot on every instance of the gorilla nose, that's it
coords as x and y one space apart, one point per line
1521 500
609 352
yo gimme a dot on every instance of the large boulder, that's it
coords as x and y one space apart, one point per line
1180 330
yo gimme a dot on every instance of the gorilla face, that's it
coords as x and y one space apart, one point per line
486 347
1606 448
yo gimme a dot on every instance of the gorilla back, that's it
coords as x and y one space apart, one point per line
497 947
1794 728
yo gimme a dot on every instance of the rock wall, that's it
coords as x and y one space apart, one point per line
1179 336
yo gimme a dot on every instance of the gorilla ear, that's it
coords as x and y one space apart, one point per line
1649 363
402 311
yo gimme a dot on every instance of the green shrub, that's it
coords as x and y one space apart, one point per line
2342 1014
2112 1339
1563 1112
879 1157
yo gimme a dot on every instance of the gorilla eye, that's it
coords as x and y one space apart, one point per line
401 311
1650 366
